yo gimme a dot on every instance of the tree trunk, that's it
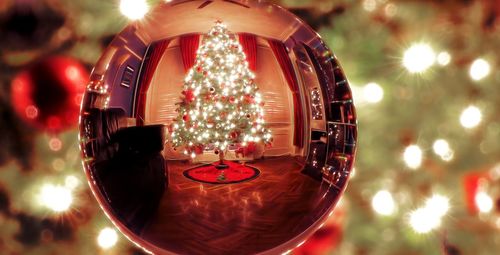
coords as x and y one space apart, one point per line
221 157
221 164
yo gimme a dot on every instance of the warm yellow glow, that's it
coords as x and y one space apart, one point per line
373 93
483 202
55 144
71 182
413 156
442 149
428 218
424 221
369 5
134 9
443 58
107 238
479 69
471 117
418 58
439 205
383 203
56 198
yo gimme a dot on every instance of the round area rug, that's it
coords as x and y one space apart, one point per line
235 173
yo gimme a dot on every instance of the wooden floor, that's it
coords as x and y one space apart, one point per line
243 218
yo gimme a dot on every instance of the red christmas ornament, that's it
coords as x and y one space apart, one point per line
233 135
327 238
231 99
249 99
48 94
246 150
185 117
198 149
250 148
188 95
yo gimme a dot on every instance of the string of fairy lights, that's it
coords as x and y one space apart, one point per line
417 59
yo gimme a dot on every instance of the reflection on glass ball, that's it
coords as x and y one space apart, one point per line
218 127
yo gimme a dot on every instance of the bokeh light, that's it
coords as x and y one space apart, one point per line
423 220
413 156
56 198
107 238
418 58
72 182
470 117
134 9
383 203
483 202
373 93
438 205
479 69
443 58
442 148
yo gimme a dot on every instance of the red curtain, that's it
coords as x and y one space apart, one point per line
249 44
281 54
155 52
189 46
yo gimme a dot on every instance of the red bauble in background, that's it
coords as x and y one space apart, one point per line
48 93
327 238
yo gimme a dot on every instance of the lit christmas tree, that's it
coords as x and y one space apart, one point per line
221 104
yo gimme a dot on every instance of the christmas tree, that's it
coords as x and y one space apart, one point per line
221 105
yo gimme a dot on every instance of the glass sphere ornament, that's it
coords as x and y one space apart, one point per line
218 127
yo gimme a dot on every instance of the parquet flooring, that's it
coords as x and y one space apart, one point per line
243 218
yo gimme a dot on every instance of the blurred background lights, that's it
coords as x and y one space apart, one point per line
369 5
107 238
134 9
479 69
438 205
413 156
56 198
423 220
471 117
442 149
428 218
383 203
55 144
418 58
71 182
373 93
483 202
443 58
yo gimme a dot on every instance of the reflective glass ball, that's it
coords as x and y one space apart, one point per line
218 127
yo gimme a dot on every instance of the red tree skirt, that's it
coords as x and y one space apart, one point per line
235 173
